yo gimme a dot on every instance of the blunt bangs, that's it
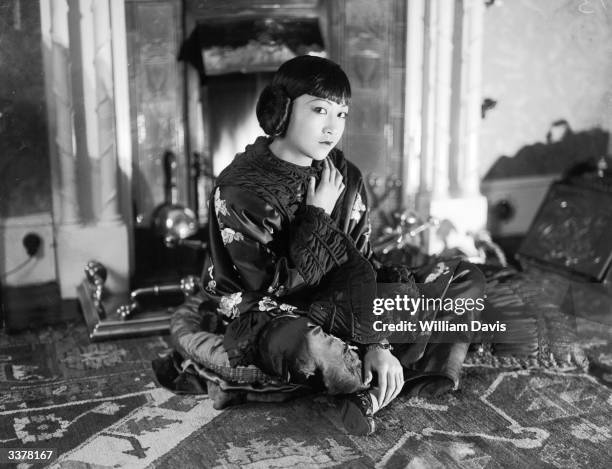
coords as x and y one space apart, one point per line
334 88
315 76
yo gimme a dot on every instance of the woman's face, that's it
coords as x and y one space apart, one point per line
315 127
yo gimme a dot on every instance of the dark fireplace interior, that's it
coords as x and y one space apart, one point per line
230 114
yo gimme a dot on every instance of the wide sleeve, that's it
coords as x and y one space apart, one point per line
270 253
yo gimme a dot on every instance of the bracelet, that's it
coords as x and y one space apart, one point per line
384 346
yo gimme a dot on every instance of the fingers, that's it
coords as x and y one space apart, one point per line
390 375
367 378
393 384
325 176
390 392
367 372
382 389
398 379
337 177
399 384
311 188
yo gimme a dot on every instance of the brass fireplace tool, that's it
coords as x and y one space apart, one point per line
187 286
145 310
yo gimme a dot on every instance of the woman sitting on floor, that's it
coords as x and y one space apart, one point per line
289 284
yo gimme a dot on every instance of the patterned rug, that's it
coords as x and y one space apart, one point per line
99 407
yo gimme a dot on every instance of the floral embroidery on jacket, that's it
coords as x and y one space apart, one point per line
440 269
228 305
267 304
368 231
220 206
358 208
228 235
211 283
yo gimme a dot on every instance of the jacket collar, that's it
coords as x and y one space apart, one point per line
260 151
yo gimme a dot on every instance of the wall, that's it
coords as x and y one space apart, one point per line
25 188
544 60
24 160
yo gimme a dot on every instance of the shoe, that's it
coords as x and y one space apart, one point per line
222 399
357 413
429 387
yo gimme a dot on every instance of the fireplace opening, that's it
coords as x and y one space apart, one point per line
235 57
229 114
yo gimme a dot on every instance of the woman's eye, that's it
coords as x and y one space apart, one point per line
320 110
343 115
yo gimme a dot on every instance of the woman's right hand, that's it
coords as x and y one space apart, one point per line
329 189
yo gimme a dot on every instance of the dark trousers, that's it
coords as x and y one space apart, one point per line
301 352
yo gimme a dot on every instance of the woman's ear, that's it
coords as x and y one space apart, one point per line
273 110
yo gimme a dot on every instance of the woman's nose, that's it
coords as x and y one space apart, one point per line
332 126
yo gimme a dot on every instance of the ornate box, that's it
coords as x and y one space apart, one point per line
572 231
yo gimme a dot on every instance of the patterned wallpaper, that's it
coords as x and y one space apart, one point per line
544 60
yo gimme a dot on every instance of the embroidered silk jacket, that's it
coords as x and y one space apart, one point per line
271 254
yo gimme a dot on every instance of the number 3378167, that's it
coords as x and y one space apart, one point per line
29 455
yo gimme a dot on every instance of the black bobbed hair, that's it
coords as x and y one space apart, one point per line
309 74
305 74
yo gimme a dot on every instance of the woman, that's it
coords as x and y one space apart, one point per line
290 281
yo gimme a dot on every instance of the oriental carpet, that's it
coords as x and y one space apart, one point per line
98 406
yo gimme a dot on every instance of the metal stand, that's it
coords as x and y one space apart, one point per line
111 316
103 321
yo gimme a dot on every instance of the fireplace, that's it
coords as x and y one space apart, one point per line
190 117
228 54
235 50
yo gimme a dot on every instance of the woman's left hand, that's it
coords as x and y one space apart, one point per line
389 371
